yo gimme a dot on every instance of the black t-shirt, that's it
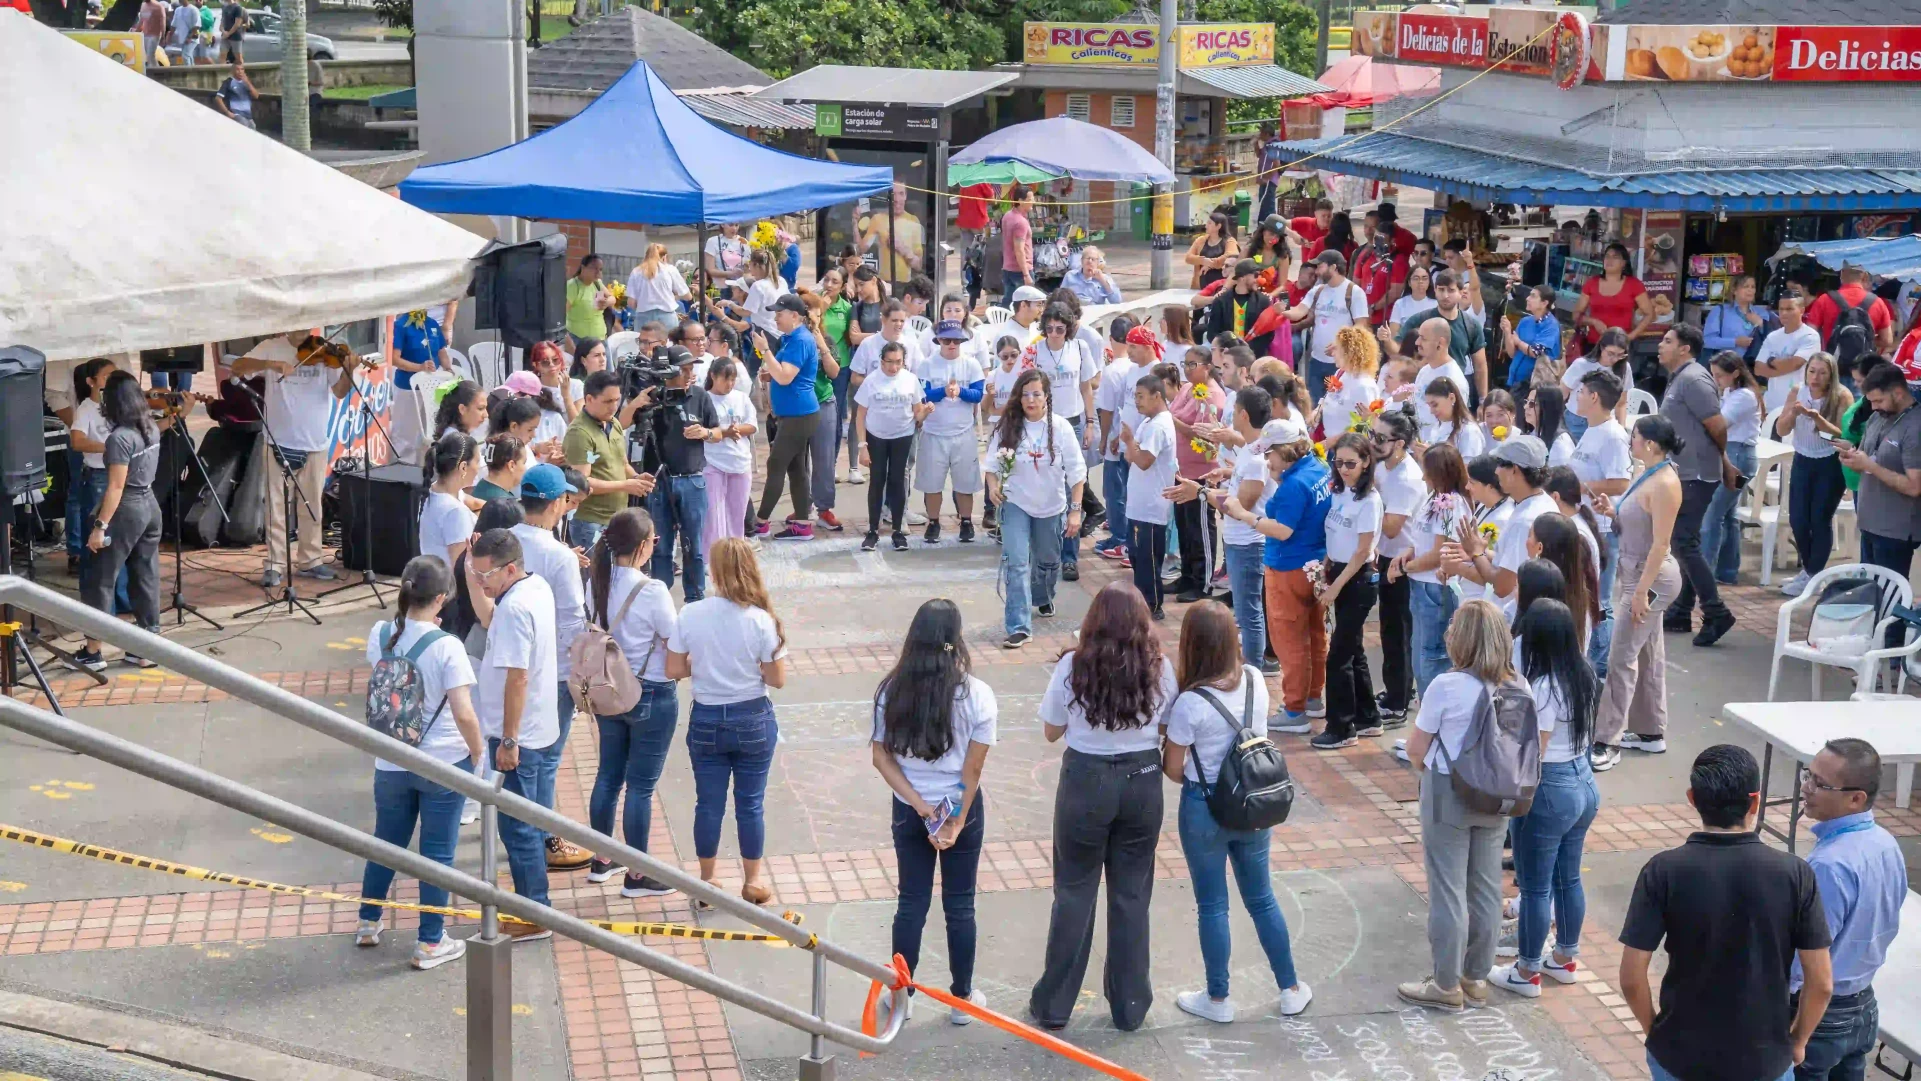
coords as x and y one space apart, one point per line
866 315
682 455
1733 912
233 21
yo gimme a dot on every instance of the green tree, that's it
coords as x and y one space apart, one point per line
1295 29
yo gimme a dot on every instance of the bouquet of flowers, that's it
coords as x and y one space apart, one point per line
1316 572
1364 416
765 236
619 291
1490 532
1004 462
1333 382
1208 415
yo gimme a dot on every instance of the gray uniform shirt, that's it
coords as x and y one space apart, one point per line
1894 443
1690 400
128 447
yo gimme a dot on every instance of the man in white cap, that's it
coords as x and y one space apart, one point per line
949 450
1521 465
1024 327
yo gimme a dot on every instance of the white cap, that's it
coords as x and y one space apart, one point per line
1278 432
1027 294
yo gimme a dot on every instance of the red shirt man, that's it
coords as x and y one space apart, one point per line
974 199
1824 313
1306 231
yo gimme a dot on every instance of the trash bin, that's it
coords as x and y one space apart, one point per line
1141 212
1243 209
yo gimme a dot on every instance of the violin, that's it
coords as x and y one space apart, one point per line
335 355
172 404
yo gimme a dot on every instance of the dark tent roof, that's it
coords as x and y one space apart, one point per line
597 54
639 155
1766 12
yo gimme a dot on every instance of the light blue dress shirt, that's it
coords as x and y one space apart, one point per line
1863 880
1090 290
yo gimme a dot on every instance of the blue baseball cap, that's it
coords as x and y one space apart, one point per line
545 481
950 330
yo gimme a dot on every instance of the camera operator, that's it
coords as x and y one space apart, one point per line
596 444
675 453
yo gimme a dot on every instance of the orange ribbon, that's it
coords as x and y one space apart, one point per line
904 978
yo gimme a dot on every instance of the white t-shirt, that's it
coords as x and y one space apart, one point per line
952 415
1248 466
1334 307
1551 715
1562 452
1744 423
659 292
442 666
1428 527
726 644
975 719
90 422
552 425
1340 407
1806 443
1119 394
1059 709
300 403
522 636
1145 503
444 521
1510 549
760 306
1403 490
1039 481
1447 708
649 622
555 563
1347 519
1803 342
1426 374
1000 384
988 335
1500 515
866 358
1469 439
1578 370
890 401
735 455
1065 371
729 252
1602 454
1198 726
1406 307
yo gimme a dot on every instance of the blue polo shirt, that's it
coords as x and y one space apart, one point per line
796 399
417 345
1300 502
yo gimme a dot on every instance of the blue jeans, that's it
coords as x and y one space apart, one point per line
633 750
181 381
583 534
550 775
1071 542
1010 281
1601 638
1547 858
679 506
1657 1073
1208 849
1318 372
1815 488
1576 425
1027 573
401 798
1838 1050
83 498
731 743
526 845
1250 593
1433 607
1114 491
916 857
1720 533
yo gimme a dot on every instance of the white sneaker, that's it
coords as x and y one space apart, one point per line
1511 908
1796 585
855 476
1316 708
1603 757
885 1007
916 518
1631 741
962 1017
1295 999
1198 1004
367 933
1509 978
1400 750
447 949
470 814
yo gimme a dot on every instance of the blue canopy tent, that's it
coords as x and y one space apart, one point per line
1067 147
1883 257
639 155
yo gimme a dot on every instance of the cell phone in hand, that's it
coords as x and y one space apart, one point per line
943 811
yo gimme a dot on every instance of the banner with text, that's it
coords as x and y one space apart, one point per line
1200 45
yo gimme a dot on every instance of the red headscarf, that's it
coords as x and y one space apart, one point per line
1144 336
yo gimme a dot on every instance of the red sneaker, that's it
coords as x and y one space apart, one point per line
827 519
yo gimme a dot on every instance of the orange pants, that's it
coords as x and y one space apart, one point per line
1297 629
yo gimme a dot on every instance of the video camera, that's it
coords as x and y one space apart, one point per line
643 372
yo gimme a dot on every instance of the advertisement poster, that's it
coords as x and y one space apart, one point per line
1848 54
1373 33
1092 43
1661 262
1225 45
348 432
896 244
1454 40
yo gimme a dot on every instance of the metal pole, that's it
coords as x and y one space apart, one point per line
936 181
517 230
228 793
818 1065
1161 267
490 973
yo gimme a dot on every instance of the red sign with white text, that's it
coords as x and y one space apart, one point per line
1847 54
1441 39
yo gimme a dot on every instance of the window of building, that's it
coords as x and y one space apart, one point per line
1123 111
1080 107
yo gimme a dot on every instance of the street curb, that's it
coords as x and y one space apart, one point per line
170 1045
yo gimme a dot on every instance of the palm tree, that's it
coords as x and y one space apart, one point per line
295 121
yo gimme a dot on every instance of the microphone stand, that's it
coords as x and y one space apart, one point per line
290 494
179 606
371 425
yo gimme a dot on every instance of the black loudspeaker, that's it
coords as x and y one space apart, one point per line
520 290
23 445
393 495
180 358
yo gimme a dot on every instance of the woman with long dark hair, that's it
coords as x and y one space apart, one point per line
1213 251
933 726
1610 353
1431 600
1647 581
446 522
638 612
1556 539
1106 699
1544 416
1537 580
464 410
1218 692
125 531
1353 583
452 735
506 460
1036 471
590 356
1742 409
1614 299
1548 840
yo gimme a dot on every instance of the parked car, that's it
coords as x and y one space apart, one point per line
262 45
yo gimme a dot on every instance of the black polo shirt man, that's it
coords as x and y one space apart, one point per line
1734 914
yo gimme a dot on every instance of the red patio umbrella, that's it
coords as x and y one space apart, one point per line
1359 82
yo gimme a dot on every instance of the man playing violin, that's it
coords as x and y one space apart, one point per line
304 379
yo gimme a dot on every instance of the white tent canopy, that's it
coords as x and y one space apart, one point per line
133 217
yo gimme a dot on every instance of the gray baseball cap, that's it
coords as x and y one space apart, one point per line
1522 450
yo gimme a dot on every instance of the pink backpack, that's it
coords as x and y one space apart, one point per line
601 680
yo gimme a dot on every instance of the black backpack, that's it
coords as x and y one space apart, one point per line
1853 335
1252 789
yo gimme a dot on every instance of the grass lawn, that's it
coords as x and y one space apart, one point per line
361 93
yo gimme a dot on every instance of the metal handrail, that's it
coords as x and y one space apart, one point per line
79 737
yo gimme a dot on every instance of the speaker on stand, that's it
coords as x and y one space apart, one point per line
520 290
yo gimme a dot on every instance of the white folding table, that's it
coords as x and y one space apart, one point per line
1801 729
1897 987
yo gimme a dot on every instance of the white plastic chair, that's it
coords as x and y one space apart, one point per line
1641 403
1910 666
998 314
1763 502
488 360
623 343
1894 590
920 324
410 427
463 368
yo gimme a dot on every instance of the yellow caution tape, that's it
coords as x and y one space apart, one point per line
148 863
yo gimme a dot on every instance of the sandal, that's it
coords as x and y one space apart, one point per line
755 893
